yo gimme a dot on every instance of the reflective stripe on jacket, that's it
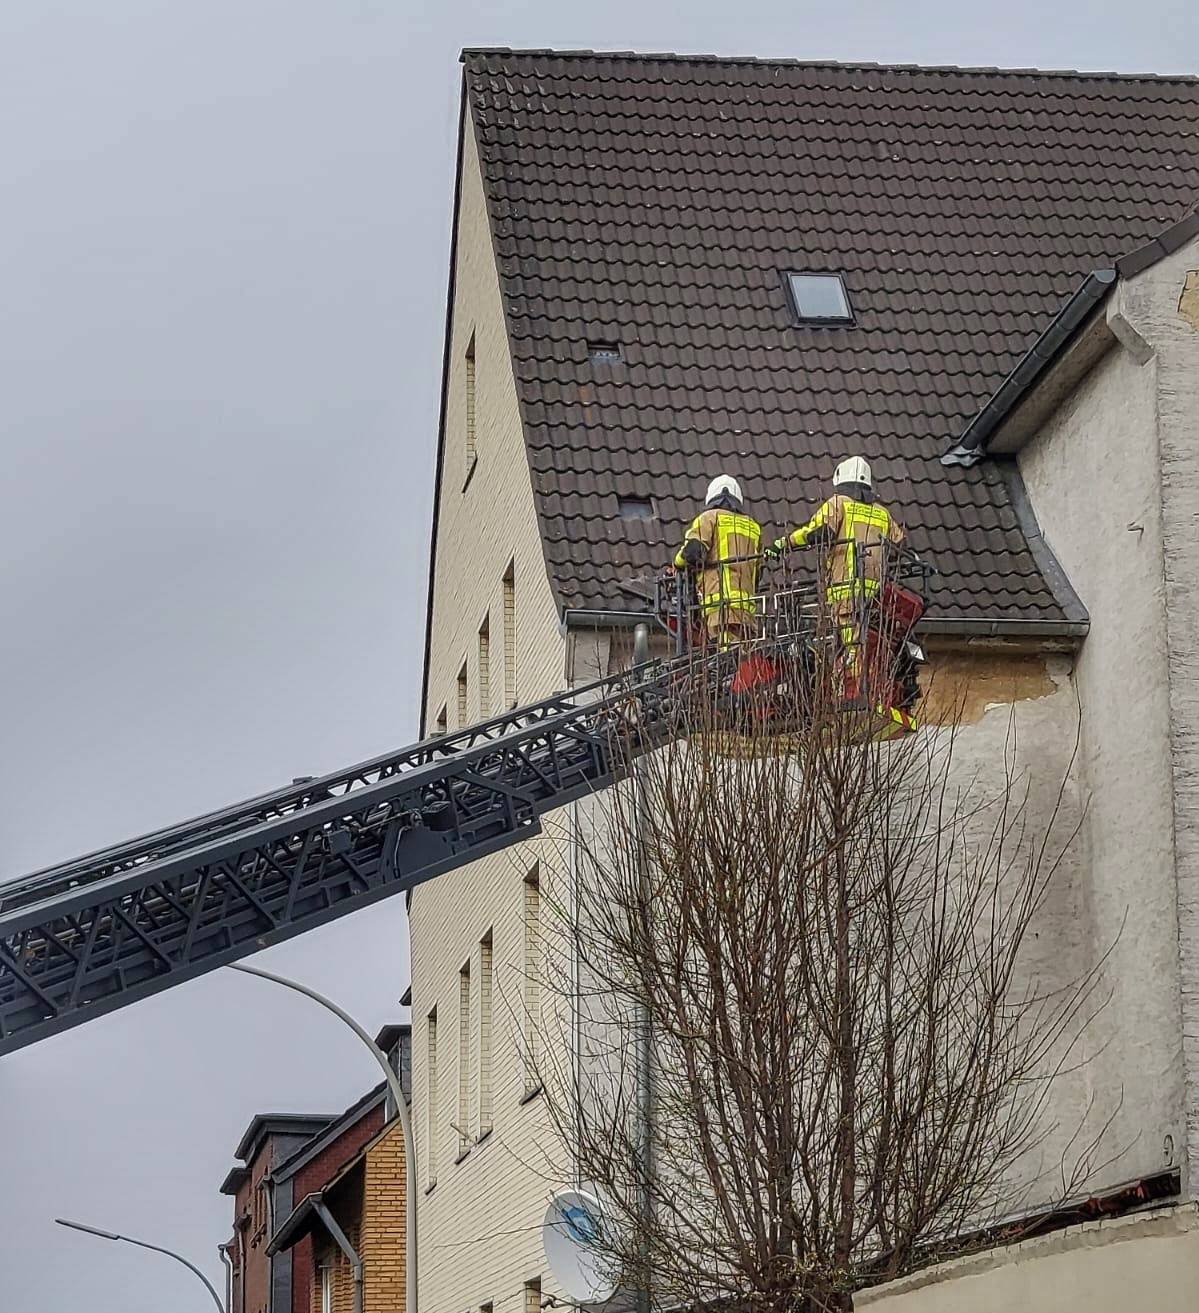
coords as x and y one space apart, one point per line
724 536
854 533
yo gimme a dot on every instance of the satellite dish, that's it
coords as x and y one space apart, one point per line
568 1235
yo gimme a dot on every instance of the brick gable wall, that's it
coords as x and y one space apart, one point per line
314 1176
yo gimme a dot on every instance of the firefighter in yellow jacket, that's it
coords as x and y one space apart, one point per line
853 528
722 546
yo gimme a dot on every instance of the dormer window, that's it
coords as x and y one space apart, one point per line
819 298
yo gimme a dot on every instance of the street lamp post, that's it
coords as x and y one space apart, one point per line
158 1249
397 1098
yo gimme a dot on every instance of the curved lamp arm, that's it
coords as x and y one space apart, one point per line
397 1097
142 1244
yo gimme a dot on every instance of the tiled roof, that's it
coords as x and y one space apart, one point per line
656 201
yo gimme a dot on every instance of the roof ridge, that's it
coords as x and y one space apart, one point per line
669 56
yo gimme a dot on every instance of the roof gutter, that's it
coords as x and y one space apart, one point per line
581 618
971 446
957 627
949 626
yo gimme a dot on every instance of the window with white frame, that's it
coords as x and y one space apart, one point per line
431 1101
486 970
510 636
485 667
531 985
472 453
464 1059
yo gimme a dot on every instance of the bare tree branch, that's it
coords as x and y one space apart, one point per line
827 934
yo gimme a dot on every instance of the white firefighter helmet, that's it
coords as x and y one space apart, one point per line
853 470
723 484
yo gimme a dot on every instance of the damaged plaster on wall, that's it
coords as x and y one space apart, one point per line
960 687
1188 302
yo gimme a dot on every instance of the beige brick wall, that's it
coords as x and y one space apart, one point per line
371 1209
486 516
384 1214
479 1238
327 1255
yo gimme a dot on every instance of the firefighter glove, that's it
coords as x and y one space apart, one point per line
694 553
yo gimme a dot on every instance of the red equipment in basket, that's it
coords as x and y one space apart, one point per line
879 680
890 618
754 671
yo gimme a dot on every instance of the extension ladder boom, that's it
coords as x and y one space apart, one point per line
102 931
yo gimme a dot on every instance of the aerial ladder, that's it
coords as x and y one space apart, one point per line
96 933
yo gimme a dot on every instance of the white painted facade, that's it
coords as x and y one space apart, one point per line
1092 474
1112 472
1148 1260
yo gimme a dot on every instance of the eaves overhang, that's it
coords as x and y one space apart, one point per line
236 1178
391 1034
279 1123
969 627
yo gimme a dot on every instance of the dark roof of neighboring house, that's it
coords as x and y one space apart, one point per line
656 202
278 1123
325 1137
305 1217
235 1178
391 1034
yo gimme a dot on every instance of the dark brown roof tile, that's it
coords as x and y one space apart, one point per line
657 201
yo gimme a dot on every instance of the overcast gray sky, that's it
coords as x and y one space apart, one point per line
223 242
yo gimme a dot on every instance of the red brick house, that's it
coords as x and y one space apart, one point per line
285 1158
269 1140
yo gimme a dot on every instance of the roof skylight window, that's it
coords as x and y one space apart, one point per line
819 298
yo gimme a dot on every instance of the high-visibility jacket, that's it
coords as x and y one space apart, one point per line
854 533
726 583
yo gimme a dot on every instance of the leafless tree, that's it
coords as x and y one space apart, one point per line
821 937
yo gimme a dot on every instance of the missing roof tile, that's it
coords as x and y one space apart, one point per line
636 508
604 352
